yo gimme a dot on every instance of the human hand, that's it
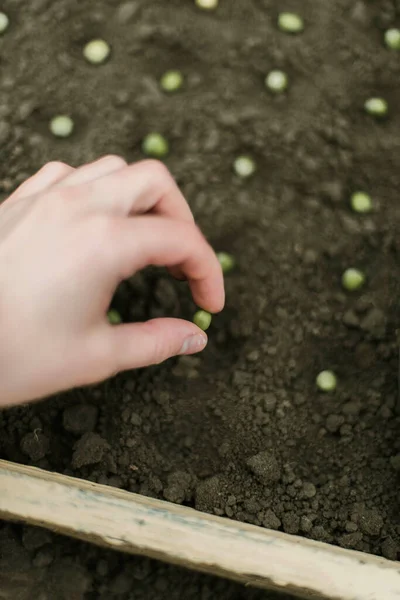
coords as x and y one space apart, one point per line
68 237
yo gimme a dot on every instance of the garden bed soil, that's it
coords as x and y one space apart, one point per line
240 431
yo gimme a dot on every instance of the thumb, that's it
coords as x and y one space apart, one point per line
139 345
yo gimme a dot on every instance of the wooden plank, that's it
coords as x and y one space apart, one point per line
124 521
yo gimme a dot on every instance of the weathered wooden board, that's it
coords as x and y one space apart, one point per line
180 535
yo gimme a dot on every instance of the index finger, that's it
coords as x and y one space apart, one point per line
142 187
160 241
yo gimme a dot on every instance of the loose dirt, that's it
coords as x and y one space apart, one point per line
240 431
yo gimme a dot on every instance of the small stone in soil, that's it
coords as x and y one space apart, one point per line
333 423
89 450
179 487
270 520
35 445
370 522
265 467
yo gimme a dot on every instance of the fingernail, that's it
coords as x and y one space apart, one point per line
193 344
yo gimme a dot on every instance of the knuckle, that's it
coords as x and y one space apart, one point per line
156 168
56 168
114 160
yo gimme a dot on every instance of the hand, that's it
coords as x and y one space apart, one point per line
68 237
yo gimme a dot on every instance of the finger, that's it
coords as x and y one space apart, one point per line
159 241
49 175
144 187
138 345
99 168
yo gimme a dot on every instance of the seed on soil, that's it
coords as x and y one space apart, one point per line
361 202
154 144
244 166
326 381
290 23
226 261
207 4
4 22
61 126
113 316
392 39
96 52
353 279
202 319
376 107
171 81
276 81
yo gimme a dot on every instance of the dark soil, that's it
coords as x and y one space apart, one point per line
241 430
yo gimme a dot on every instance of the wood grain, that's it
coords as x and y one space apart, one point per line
183 536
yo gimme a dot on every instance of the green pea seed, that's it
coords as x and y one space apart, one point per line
244 166
392 39
96 51
226 261
207 4
171 81
353 279
4 22
276 81
326 381
290 23
61 126
202 319
361 202
376 107
154 144
113 316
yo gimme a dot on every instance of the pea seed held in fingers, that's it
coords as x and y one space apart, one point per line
376 107
171 81
326 381
226 261
353 279
96 52
392 39
202 319
155 145
4 22
290 22
276 81
244 166
61 126
361 202
113 316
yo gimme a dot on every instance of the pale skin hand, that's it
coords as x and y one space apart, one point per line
68 237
